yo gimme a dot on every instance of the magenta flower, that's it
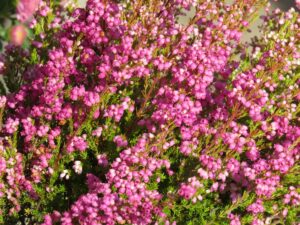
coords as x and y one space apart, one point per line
160 117
26 9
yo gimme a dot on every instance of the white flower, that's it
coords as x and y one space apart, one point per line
64 174
77 167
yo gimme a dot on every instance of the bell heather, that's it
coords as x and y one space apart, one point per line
118 113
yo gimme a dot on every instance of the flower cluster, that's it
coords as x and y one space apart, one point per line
118 113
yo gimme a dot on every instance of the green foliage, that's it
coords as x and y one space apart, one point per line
7 18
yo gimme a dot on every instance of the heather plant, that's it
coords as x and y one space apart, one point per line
7 20
117 113
15 15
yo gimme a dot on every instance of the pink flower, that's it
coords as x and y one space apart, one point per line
2 101
120 141
11 125
234 219
91 98
18 34
102 160
2 165
297 2
186 191
256 207
26 9
43 130
97 132
77 143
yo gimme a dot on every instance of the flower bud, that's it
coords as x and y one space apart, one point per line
18 34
